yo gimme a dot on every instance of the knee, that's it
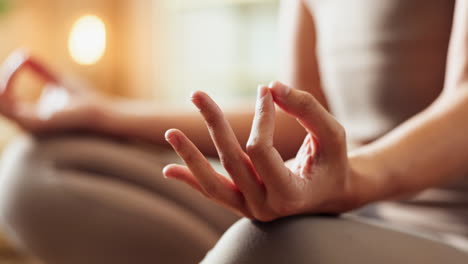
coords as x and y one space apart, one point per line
288 240
79 216
24 180
314 239
16 165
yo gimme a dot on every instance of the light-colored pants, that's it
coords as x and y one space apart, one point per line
88 200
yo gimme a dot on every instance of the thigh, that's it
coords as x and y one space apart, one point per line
311 239
89 200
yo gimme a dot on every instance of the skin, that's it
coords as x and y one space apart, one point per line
93 112
426 151
263 186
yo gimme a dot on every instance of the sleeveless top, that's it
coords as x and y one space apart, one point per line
381 62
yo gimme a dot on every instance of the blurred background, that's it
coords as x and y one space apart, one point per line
153 49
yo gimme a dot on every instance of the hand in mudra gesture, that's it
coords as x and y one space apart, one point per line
263 186
62 105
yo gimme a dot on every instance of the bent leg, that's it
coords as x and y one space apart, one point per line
88 200
310 239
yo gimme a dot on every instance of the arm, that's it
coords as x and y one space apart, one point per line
299 69
428 150
144 120
431 148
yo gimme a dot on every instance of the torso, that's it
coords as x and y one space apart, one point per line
381 62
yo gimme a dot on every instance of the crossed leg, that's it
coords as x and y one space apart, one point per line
88 200
328 240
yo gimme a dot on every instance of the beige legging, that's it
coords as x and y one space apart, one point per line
330 240
88 200
77 200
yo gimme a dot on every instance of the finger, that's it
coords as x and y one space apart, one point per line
265 158
10 67
312 116
234 159
182 173
22 114
7 107
217 186
18 60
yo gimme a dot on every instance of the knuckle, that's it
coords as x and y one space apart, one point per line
228 163
211 118
306 102
231 162
211 189
187 155
287 207
262 110
338 134
256 148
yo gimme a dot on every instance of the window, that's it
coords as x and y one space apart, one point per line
224 47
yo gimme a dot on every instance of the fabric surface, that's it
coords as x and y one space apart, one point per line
90 200
80 199
326 240
383 62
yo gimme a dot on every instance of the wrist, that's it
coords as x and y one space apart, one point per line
368 180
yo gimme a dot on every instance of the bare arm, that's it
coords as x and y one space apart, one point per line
428 150
431 148
299 69
144 120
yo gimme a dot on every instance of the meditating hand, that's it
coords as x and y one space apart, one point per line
264 187
61 106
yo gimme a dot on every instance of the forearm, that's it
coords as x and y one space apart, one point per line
145 121
429 150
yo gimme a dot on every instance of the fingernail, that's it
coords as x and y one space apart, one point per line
164 171
271 84
280 89
172 139
262 90
196 100
192 95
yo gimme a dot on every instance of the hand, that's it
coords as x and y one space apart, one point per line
263 186
61 106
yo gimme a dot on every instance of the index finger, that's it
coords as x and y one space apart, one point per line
266 159
312 116
234 159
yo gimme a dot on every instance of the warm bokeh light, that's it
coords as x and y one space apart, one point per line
87 41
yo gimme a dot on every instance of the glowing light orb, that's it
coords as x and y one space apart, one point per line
87 41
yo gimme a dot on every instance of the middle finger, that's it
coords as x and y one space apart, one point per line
234 159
